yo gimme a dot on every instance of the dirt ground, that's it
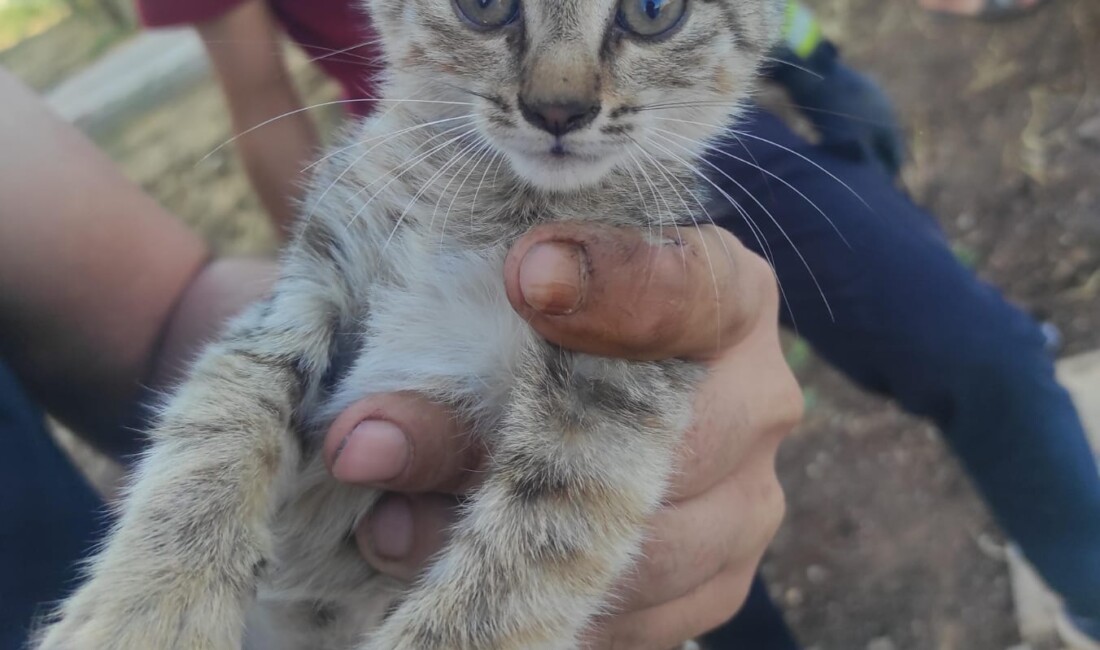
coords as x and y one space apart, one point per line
886 546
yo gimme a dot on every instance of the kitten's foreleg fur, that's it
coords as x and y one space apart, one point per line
582 460
180 568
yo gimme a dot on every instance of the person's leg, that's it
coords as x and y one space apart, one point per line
908 320
852 116
758 626
51 516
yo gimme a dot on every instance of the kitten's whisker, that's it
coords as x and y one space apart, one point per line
427 184
385 136
408 166
641 197
487 149
695 197
317 202
347 50
422 101
706 250
757 232
461 155
334 102
851 116
781 147
656 212
498 156
772 59
496 173
475 159
767 172
671 105
329 52
771 217
657 194
415 160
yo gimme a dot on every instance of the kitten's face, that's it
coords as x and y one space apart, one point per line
570 89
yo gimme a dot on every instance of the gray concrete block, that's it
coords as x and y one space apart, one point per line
138 75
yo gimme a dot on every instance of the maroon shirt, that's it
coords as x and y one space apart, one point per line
332 32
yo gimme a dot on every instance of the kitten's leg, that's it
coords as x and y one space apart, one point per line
582 460
178 572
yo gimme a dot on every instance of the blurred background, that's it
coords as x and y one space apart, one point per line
886 546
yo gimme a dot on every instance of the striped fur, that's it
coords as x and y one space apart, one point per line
233 533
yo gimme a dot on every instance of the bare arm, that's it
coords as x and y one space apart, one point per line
245 49
100 288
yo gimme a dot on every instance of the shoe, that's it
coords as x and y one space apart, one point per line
996 10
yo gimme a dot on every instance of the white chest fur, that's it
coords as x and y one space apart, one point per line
446 330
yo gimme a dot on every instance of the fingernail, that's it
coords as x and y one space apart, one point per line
375 451
391 528
552 277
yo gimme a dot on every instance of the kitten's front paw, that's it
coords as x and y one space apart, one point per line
119 617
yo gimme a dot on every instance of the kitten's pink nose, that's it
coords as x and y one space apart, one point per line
559 118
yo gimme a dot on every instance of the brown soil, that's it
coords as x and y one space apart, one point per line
886 545
886 539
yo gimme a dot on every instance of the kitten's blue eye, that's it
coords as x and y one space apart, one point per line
488 14
651 17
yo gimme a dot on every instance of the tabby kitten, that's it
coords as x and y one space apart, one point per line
498 115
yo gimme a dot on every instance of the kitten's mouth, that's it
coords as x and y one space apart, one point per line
561 165
559 151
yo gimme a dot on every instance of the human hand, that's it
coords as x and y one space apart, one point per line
636 301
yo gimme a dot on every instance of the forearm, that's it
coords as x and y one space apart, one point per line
276 139
274 157
92 271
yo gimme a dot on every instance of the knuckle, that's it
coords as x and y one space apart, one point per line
792 402
734 588
759 275
633 637
785 405
776 507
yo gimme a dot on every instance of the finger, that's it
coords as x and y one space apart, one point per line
749 395
616 292
402 442
688 543
669 625
404 531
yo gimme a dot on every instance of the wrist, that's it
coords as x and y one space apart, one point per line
217 292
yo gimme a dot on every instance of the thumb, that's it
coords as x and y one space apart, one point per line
402 442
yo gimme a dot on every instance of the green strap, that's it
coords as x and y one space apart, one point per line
801 31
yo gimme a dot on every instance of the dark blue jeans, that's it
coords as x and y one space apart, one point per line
904 319
49 516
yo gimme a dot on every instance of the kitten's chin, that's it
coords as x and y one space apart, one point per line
561 173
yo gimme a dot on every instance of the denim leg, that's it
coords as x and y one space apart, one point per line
51 516
758 626
889 305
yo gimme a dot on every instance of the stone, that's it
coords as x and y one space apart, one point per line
1089 131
